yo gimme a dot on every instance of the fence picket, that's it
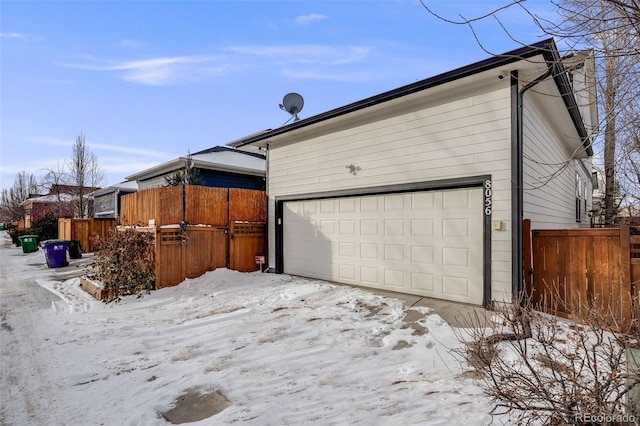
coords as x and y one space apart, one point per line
582 269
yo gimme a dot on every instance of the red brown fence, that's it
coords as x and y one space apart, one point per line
84 230
197 205
224 227
195 250
584 269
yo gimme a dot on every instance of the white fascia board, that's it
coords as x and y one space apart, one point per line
161 169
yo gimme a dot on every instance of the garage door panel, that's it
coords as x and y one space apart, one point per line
456 228
370 276
423 227
456 200
394 278
425 243
423 200
394 203
394 252
347 272
369 227
456 287
347 205
423 255
423 282
369 204
457 257
393 227
369 251
327 206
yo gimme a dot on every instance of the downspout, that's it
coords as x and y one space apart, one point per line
517 177
116 211
266 190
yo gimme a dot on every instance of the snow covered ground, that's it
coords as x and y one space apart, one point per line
279 349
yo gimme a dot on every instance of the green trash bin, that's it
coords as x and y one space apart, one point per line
29 243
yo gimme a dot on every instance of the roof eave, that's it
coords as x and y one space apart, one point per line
468 70
167 167
547 48
561 79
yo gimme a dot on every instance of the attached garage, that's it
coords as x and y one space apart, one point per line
428 243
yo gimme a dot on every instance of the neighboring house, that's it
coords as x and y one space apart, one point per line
623 213
36 207
217 167
106 201
423 189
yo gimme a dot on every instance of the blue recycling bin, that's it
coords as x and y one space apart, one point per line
55 252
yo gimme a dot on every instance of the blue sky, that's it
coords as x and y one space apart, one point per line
147 81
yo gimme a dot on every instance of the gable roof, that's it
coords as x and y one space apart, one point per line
216 158
546 48
126 186
49 199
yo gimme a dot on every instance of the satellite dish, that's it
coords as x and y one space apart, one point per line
292 103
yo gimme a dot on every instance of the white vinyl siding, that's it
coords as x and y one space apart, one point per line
550 174
468 134
105 205
154 182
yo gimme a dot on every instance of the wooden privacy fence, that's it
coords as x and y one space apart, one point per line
199 229
193 204
84 230
578 270
195 250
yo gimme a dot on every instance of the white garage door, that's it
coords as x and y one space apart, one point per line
424 243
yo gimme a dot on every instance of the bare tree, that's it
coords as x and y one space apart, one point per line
611 29
85 175
55 179
24 185
187 175
553 371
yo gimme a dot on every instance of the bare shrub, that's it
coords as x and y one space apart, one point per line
124 263
541 369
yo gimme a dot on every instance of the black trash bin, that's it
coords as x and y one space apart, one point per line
75 249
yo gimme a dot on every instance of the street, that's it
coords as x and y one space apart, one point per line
25 384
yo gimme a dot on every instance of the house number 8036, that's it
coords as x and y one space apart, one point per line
488 192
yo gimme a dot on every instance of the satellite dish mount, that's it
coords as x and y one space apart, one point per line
292 103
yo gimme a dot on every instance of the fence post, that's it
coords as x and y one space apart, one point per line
526 261
625 272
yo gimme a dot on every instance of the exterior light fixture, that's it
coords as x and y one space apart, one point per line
352 169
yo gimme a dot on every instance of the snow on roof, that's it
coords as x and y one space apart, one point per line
235 159
51 198
126 186
217 158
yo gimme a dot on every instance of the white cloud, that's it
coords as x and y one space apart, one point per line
167 70
19 36
157 71
103 147
126 168
14 35
306 19
307 53
143 152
